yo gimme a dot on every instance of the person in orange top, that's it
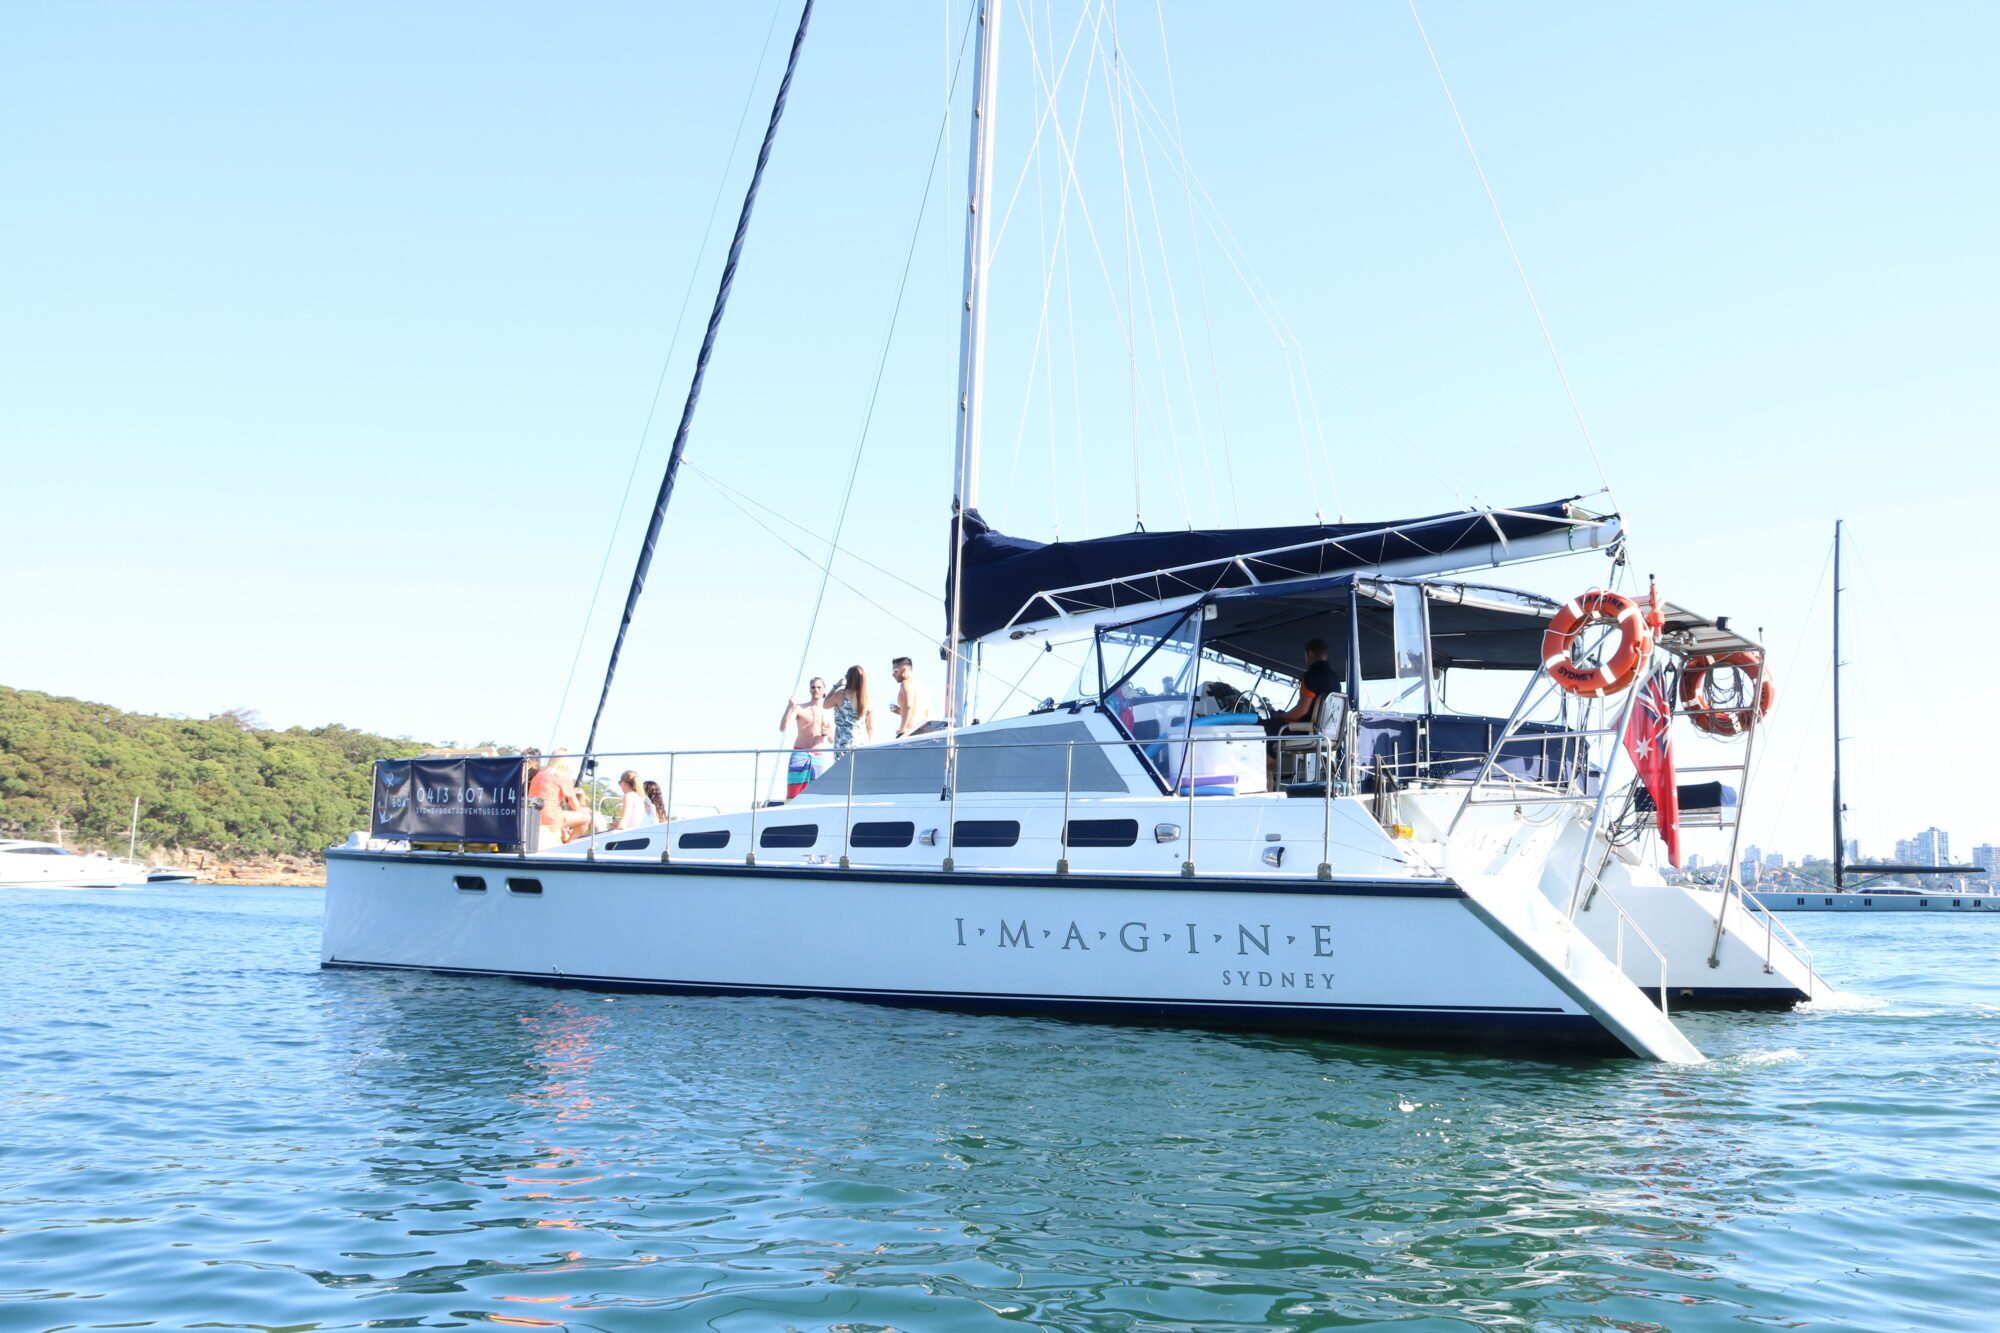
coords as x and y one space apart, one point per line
564 815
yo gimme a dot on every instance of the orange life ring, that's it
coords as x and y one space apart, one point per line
1635 643
1713 718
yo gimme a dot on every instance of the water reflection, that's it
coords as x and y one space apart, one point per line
323 1149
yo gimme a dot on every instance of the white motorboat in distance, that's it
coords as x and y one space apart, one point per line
48 865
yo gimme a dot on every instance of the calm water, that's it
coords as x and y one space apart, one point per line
198 1127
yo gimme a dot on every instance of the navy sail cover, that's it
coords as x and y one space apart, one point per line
1015 581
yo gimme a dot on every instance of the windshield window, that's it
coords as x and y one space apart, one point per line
1146 672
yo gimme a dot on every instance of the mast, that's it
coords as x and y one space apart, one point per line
1839 810
971 338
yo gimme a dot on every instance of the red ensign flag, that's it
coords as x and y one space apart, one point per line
1649 741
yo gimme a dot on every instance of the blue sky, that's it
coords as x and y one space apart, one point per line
329 335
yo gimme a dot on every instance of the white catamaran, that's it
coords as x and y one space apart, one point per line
1146 849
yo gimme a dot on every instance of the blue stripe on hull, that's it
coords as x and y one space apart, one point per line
1488 1030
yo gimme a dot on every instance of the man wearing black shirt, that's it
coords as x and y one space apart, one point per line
1317 682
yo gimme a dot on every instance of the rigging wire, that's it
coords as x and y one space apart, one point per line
1180 334
1267 307
659 384
1200 273
788 520
803 554
1519 267
882 361
1960 758
1131 338
1798 649
700 373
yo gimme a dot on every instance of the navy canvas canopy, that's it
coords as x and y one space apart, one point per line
1012 581
1267 627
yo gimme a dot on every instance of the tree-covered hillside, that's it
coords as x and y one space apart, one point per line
221 784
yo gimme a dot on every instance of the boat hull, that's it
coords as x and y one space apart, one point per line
1864 903
1401 961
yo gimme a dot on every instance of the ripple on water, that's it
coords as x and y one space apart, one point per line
202 1127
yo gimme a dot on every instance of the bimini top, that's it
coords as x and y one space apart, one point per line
1468 626
1463 626
1014 586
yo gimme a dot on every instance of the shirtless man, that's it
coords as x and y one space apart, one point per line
814 721
913 706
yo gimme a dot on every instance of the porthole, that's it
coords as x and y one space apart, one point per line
470 883
523 885
882 833
986 833
1103 832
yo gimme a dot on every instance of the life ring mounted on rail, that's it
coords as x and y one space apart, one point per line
1727 717
1621 667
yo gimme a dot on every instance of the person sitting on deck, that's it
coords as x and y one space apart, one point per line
1317 682
564 814
658 804
814 721
632 806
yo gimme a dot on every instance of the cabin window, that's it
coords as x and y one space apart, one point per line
1829 902
703 839
1923 902
788 835
1102 833
523 885
1867 902
1802 902
470 883
628 845
1955 902
986 833
883 833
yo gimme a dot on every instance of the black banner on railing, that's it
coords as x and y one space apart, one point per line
450 800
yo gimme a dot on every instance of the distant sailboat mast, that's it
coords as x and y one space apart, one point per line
971 343
1839 809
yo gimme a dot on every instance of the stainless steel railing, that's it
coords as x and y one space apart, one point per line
1172 761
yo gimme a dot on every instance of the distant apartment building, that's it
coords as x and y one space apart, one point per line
1932 847
1987 858
1854 849
1774 860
